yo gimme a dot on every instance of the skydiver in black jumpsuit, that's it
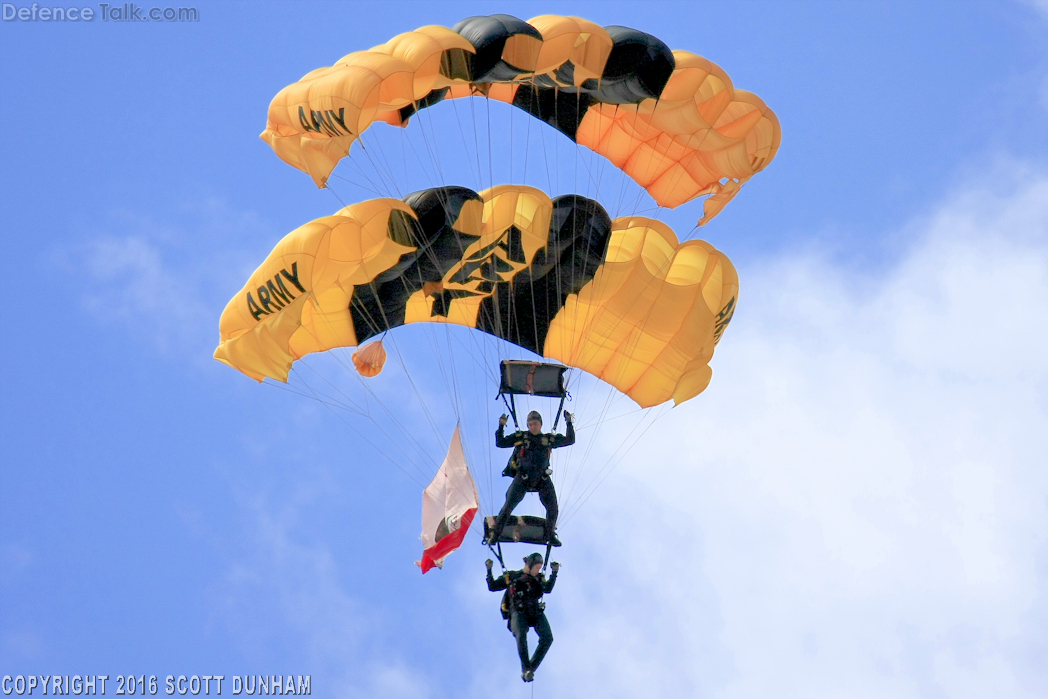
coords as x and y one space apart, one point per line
524 608
530 469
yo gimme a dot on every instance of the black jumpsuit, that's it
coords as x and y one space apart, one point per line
529 474
526 610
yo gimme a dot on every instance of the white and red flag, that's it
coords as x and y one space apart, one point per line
449 505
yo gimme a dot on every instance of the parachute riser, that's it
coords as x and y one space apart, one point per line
497 550
511 405
560 409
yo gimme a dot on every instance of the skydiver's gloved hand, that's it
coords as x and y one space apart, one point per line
554 566
488 563
503 419
569 417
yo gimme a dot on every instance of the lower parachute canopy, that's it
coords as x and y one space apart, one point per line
621 299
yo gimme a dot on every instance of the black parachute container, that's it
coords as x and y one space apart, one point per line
523 378
533 379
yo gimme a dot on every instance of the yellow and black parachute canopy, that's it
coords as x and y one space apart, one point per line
620 299
671 120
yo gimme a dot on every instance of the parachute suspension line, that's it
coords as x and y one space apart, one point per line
389 187
410 436
623 184
602 162
373 154
411 439
462 133
569 501
608 397
423 166
405 455
610 469
633 137
651 157
497 550
560 407
335 194
377 189
326 400
451 383
580 465
608 402
510 142
432 148
545 157
570 465
476 140
403 158
378 449
491 171
347 366
575 170
372 189
386 163
572 482
387 159
527 147
418 395
592 424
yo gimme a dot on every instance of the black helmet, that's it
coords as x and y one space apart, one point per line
534 415
532 559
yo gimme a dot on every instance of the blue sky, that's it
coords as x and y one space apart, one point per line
856 507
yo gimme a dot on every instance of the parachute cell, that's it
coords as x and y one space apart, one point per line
671 120
620 299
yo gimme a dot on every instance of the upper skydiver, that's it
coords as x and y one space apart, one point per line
523 607
530 470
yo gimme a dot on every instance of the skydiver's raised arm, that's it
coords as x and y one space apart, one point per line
565 440
499 583
501 440
547 586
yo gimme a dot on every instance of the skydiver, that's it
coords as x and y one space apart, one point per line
529 467
523 607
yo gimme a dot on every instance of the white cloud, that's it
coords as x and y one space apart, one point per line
1041 6
134 286
857 506
165 282
282 598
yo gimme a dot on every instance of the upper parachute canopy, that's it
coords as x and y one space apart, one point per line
671 120
620 299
